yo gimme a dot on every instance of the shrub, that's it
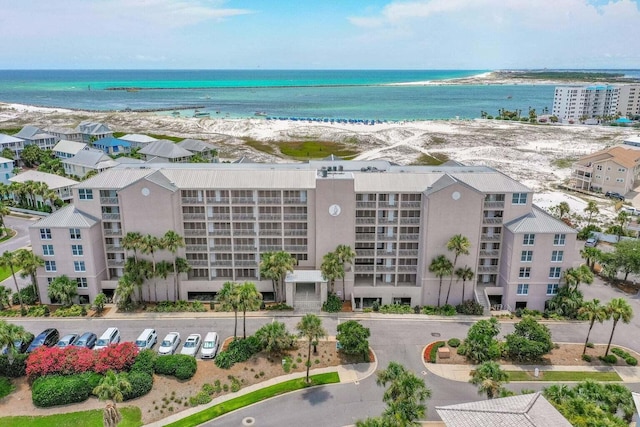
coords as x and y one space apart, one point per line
529 342
586 358
431 351
141 384
375 306
186 369
279 307
333 304
116 358
29 296
202 398
238 351
470 307
13 370
481 344
632 361
73 311
208 388
145 361
453 342
99 302
619 352
354 338
56 390
609 359
181 366
590 345
38 311
396 309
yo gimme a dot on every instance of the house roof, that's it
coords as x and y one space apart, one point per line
88 158
626 156
33 133
538 221
70 147
136 137
5 160
93 128
8 139
61 130
527 410
53 181
195 145
165 149
127 160
116 178
68 216
111 142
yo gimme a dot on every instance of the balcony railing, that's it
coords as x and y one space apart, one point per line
408 252
370 205
195 232
388 204
493 204
115 262
365 220
197 262
220 248
294 201
364 252
223 216
487 269
111 216
193 215
296 217
112 232
491 237
386 268
219 201
108 200
295 232
489 253
269 217
269 200
246 263
114 248
243 200
220 232
409 236
295 248
196 248
363 268
387 220
410 204
192 201
244 232
492 220
244 217
407 268
365 237
221 263
244 248
270 232
384 237
409 220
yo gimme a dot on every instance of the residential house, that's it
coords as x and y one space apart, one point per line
112 146
398 219
92 131
6 170
86 161
16 145
203 149
64 133
164 151
137 140
58 184
66 149
612 169
34 135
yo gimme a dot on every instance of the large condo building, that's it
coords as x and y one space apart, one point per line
396 218
593 101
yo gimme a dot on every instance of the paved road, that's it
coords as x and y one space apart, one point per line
20 240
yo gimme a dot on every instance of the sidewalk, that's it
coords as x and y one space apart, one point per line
462 373
348 374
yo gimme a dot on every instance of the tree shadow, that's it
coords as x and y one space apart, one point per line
316 396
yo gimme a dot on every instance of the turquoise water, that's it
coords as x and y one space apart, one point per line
290 93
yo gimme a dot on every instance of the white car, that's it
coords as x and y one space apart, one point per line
191 345
170 343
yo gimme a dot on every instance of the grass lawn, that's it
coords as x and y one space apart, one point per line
4 273
7 234
560 376
256 396
5 387
303 150
131 417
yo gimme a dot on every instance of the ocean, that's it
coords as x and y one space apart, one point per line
351 94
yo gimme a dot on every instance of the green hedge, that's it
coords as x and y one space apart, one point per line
54 390
141 384
333 304
610 359
13 370
145 362
453 342
238 351
180 366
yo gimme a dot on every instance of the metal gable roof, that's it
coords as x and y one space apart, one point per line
53 181
166 149
538 221
69 216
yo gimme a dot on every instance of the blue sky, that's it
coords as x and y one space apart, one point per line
321 34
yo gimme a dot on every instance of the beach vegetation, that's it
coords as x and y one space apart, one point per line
434 159
563 163
10 131
260 146
303 150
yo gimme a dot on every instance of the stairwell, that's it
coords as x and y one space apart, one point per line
482 299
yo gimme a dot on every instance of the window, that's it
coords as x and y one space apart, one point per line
523 289
79 266
599 167
50 266
82 282
557 256
77 250
552 289
74 233
558 239
622 170
85 194
45 233
47 250
554 273
519 199
619 179
528 239
526 256
49 280
525 272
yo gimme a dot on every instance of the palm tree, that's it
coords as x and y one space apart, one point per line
575 276
591 255
459 245
10 261
29 263
310 327
4 211
5 298
163 268
332 269
617 309
124 290
181 266
229 299
172 242
591 209
346 255
489 379
464 273
150 245
441 266
592 311
622 219
131 242
111 388
563 209
9 334
249 299
405 397
63 289
138 271
558 393
275 266
274 337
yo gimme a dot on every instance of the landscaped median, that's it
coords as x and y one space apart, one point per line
254 397
563 376
131 417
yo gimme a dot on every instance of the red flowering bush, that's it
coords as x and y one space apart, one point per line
74 360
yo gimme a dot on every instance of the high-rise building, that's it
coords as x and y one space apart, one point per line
595 101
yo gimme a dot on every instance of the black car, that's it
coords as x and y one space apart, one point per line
614 195
88 340
48 337
20 345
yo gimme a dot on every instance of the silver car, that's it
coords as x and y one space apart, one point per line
191 345
170 343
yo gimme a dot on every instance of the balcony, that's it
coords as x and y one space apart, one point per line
384 237
365 220
295 248
192 201
410 220
195 232
269 200
270 232
295 217
112 232
407 269
111 216
487 269
383 253
492 220
115 262
192 215
408 252
196 248
294 201
295 232
365 237
221 263
270 217
409 236
489 253
220 248
246 263
218 201
387 220
244 248
388 204
493 204
386 268
243 200
220 232
114 248
198 262
363 268
244 217
219 216
243 232
108 200
410 204
364 252
491 237
369 205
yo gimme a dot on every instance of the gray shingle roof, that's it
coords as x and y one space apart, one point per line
165 149
87 158
66 217
93 128
70 147
527 410
115 178
538 221
136 137
53 181
7 139
196 146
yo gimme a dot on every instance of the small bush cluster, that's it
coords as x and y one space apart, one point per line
29 296
53 390
520 312
141 384
453 342
73 360
586 358
431 351
445 310
178 306
396 309
238 351
470 307
609 359
38 311
73 311
201 398
629 359
13 370
181 366
278 307
333 304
